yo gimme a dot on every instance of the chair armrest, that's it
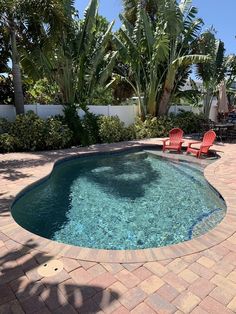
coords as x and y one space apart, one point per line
191 143
164 141
202 146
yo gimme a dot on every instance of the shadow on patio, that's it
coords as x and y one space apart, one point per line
16 168
5 202
22 289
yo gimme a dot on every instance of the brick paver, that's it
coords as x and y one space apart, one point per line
151 284
212 306
132 298
127 278
160 305
221 295
188 276
167 292
143 308
200 282
232 305
205 261
201 287
142 273
186 301
6 294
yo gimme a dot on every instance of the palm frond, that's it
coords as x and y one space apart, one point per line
190 60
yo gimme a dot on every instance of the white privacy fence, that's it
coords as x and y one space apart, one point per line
8 112
127 113
177 109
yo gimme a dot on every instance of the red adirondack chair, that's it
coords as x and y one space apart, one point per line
175 140
208 140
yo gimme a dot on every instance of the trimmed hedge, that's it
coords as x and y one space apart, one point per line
30 133
189 122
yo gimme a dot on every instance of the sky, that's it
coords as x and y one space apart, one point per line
220 14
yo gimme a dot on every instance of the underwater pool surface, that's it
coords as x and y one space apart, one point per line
131 200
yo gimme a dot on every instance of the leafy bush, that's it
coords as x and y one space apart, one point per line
111 129
29 133
57 134
102 96
85 131
129 133
6 90
160 127
41 92
29 129
4 126
152 127
189 122
91 129
73 121
7 143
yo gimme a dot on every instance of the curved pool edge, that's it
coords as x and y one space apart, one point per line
220 233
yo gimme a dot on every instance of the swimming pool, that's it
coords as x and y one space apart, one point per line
131 200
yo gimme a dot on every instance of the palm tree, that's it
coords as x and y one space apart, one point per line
130 9
217 69
143 48
4 50
20 19
159 53
80 62
230 62
183 28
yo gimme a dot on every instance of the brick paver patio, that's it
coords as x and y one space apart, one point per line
196 277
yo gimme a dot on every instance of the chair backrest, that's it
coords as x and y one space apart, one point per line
209 138
176 135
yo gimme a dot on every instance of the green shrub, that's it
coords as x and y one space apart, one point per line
73 121
29 133
129 133
57 134
29 129
6 87
41 92
7 143
91 129
152 127
4 126
102 96
189 122
164 125
111 129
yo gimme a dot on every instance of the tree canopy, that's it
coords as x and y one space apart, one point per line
151 56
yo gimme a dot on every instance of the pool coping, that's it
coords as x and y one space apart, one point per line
220 233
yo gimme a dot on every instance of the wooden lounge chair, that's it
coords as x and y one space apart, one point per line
208 140
175 140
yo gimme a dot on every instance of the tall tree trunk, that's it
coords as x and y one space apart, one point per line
152 107
151 102
163 105
208 102
141 106
16 72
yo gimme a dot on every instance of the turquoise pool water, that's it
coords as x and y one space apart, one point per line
124 201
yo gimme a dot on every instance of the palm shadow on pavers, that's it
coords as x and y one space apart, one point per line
5 202
24 290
